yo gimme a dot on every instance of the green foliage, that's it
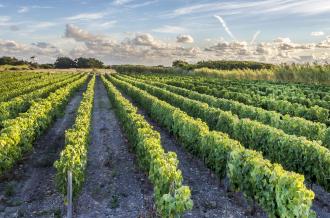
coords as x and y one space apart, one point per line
64 63
74 156
226 157
232 65
294 153
266 181
18 134
314 113
88 63
290 125
146 69
10 109
5 60
172 198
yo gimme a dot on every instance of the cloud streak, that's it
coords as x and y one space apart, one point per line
86 16
225 27
318 33
169 29
268 7
254 37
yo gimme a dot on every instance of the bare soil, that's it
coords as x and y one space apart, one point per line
114 186
321 203
29 189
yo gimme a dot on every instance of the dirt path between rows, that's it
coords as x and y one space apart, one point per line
114 185
30 190
208 193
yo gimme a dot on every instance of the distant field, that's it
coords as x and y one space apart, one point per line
162 145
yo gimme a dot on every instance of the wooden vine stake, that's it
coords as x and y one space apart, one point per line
69 195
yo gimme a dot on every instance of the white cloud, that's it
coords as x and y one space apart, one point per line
86 16
44 51
318 33
78 34
139 48
144 48
223 23
169 29
184 39
324 44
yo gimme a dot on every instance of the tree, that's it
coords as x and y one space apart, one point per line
179 63
11 61
64 62
89 63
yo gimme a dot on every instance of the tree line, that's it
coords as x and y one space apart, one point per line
61 63
223 65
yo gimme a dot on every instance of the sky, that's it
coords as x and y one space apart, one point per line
156 32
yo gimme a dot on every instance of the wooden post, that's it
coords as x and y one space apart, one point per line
69 195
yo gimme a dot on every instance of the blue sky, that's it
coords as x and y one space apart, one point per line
266 30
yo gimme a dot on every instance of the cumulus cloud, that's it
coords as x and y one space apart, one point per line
324 44
184 39
138 48
144 48
78 34
318 33
144 39
44 51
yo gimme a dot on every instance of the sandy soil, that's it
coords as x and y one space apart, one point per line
114 187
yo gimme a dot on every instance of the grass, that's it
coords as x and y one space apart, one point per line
11 67
307 73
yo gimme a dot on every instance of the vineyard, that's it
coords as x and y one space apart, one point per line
141 144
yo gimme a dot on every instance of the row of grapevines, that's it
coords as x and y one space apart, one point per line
28 86
239 93
314 113
10 109
294 153
74 156
14 78
313 90
307 96
18 134
278 192
290 125
172 198
292 96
